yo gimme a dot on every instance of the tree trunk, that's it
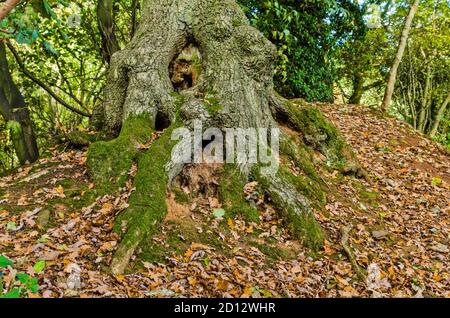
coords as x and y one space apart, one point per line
425 102
15 112
197 60
358 90
398 57
105 19
7 8
440 114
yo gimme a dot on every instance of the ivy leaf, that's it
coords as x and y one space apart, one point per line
5 262
39 266
50 49
31 283
218 213
15 293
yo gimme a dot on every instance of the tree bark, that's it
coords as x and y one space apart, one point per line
105 18
15 111
398 57
358 90
439 116
7 8
194 60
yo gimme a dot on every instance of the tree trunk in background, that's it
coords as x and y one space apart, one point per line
439 116
425 105
7 8
15 112
105 19
358 90
398 57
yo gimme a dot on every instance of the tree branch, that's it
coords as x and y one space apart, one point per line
7 8
42 84
374 85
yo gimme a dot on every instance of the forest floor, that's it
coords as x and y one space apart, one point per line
53 229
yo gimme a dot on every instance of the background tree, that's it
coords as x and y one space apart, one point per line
15 111
398 57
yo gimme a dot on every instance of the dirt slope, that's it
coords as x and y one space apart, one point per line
400 229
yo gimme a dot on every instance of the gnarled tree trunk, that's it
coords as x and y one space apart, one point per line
198 60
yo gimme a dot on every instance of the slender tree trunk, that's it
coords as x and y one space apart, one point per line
105 18
134 23
15 111
439 116
358 90
7 8
424 105
398 57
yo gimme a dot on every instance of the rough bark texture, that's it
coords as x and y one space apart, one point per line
232 87
15 111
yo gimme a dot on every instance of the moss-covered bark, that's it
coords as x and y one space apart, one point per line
284 191
147 205
110 162
231 192
15 111
317 132
234 89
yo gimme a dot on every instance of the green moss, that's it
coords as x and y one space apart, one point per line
370 198
303 226
306 186
177 241
147 205
320 134
212 104
109 162
180 196
301 157
274 253
231 192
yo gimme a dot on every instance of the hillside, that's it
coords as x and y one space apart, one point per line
399 233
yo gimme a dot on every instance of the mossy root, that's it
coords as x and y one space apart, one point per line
295 208
147 205
110 162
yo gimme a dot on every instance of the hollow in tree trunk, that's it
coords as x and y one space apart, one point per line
201 60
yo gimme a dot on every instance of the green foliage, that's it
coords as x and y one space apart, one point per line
425 71
306 34
21 284
14 127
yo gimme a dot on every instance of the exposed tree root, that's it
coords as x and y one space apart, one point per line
147 205
294 207
232 88
109 162
317 133
345 232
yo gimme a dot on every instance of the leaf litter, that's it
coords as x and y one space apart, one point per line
399 229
